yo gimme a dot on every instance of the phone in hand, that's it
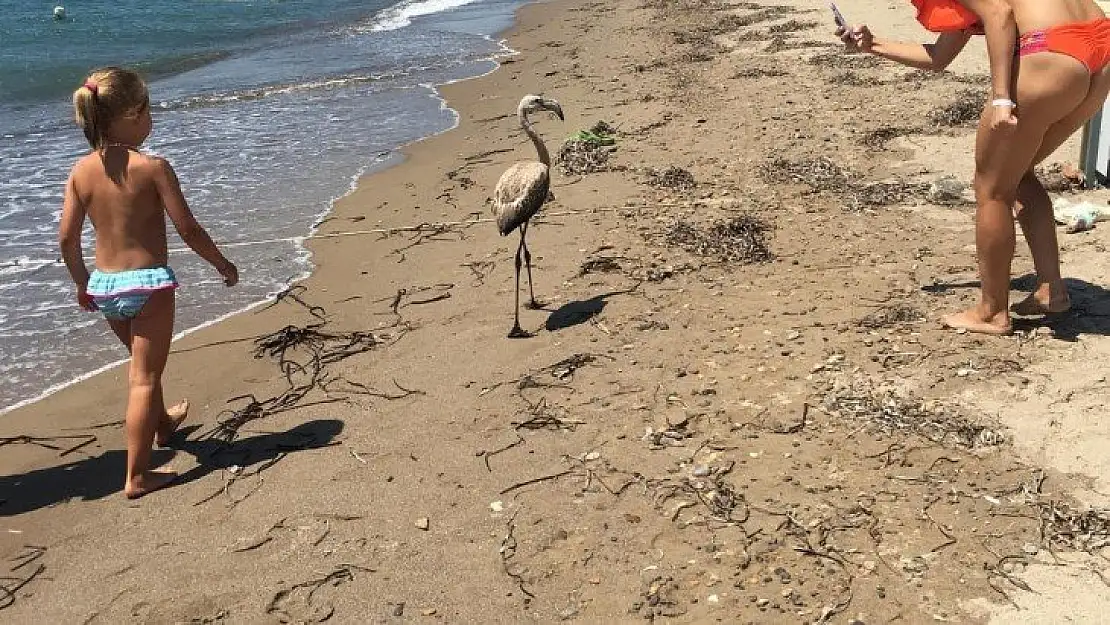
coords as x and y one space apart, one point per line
838 17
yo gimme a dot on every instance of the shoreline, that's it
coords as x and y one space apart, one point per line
397 154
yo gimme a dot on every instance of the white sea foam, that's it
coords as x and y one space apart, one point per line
400 15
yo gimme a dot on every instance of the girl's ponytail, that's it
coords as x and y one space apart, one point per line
85 110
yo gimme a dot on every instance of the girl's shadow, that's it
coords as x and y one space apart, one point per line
98 477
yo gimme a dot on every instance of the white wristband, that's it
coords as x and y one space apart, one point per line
1005 102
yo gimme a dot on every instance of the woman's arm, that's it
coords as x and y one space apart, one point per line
1001 31
935 56
929 56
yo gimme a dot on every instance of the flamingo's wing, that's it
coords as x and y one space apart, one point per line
519 194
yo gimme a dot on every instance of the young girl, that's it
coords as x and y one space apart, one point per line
1050 73
126 194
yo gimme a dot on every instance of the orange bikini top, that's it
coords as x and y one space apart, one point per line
942 16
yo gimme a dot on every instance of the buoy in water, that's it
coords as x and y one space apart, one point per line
59 13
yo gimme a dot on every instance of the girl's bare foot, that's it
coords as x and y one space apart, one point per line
174 416
972 320
1046 300
147 483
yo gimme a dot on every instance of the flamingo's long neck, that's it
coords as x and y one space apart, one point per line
541 149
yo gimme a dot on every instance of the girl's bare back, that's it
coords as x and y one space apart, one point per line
118 188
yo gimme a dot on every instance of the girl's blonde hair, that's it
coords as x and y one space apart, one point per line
108 94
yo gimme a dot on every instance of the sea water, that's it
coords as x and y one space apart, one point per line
268 110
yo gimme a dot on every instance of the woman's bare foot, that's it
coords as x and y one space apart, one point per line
147 483
1046 300
174 416
972 320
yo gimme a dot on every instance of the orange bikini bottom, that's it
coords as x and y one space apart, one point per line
1087 42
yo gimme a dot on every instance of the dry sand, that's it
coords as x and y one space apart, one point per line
688 437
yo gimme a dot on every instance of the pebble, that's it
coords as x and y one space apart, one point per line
429 612
793 336
947 190
497 506
423 523
399 609
762 603
1031 549
713 599
568 613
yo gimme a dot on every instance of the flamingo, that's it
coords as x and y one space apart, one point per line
521 192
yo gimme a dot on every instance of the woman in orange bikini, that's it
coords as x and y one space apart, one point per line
1050 73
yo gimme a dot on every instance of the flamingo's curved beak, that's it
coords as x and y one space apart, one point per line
554 107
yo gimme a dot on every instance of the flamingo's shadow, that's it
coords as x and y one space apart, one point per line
578 312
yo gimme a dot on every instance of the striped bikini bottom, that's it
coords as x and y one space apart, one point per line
121 295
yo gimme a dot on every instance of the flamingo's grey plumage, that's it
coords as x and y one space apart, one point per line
521 192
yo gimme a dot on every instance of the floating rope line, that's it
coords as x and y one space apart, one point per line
387 231
354 233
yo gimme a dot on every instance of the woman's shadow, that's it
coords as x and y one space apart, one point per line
1089 314
98 477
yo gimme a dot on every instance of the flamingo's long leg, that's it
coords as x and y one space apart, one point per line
533 304
517 332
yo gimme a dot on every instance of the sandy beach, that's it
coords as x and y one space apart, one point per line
738 405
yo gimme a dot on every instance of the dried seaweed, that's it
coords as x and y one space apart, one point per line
16 581
840 60
580 156
791 26
878 138
885 412
752 35
887 193
706 487
697 55
604 264
849 79
1065 528
777 44
673 177
820 173
1060 178
963 111
760 72
892 316
313 610
740 240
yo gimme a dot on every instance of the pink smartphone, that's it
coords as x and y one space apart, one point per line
838 17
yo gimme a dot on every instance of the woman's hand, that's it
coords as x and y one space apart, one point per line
857 38
1002 116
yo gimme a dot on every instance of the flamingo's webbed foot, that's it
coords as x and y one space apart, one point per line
518 333
535 304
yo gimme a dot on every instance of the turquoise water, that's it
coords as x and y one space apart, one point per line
267 109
